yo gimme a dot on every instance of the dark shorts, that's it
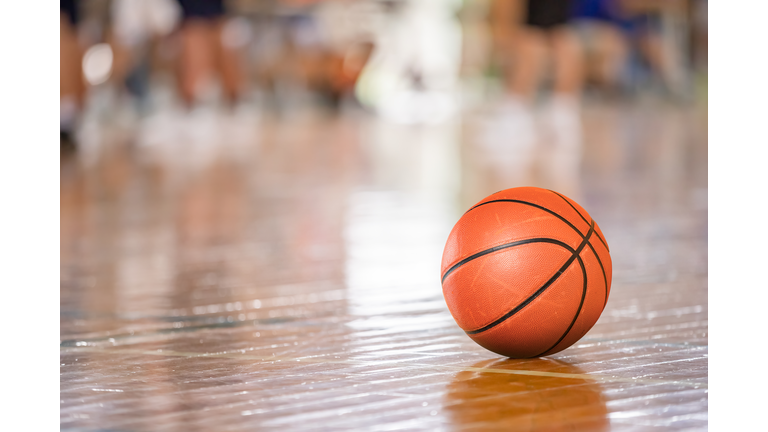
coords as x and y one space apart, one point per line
209 9
70 9
546 14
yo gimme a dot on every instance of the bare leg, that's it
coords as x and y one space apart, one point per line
529 56
197 58
611 49
567 59
72 87
663 61
230 63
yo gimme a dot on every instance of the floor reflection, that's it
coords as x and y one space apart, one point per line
298 286
477 400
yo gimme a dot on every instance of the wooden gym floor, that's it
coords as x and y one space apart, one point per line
290 280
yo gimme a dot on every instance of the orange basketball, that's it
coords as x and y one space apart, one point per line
526 272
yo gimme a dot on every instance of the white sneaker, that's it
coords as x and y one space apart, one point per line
562 120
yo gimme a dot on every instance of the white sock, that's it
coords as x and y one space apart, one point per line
563 119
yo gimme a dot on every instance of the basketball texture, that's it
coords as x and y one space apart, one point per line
526 272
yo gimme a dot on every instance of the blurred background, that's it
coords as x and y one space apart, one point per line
307 140
141 69
282 141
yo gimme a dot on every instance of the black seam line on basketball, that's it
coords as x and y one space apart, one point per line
498 248
548 211
605 279
558 216
578 311
582 217
532 205
532 297
569 203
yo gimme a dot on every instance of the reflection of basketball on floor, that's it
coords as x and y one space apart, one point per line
526 272
508 401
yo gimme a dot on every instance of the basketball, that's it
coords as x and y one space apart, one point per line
526 272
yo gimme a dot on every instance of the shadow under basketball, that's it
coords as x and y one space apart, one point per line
493 400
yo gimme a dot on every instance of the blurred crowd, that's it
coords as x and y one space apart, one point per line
412 61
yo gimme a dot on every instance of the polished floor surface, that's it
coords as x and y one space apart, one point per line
283 274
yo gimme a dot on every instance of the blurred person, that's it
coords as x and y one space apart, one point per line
330 42
656 27
301 67
700 33
347 38
72 85
618 33
534 34
136 25
211 46
625 38
603 27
